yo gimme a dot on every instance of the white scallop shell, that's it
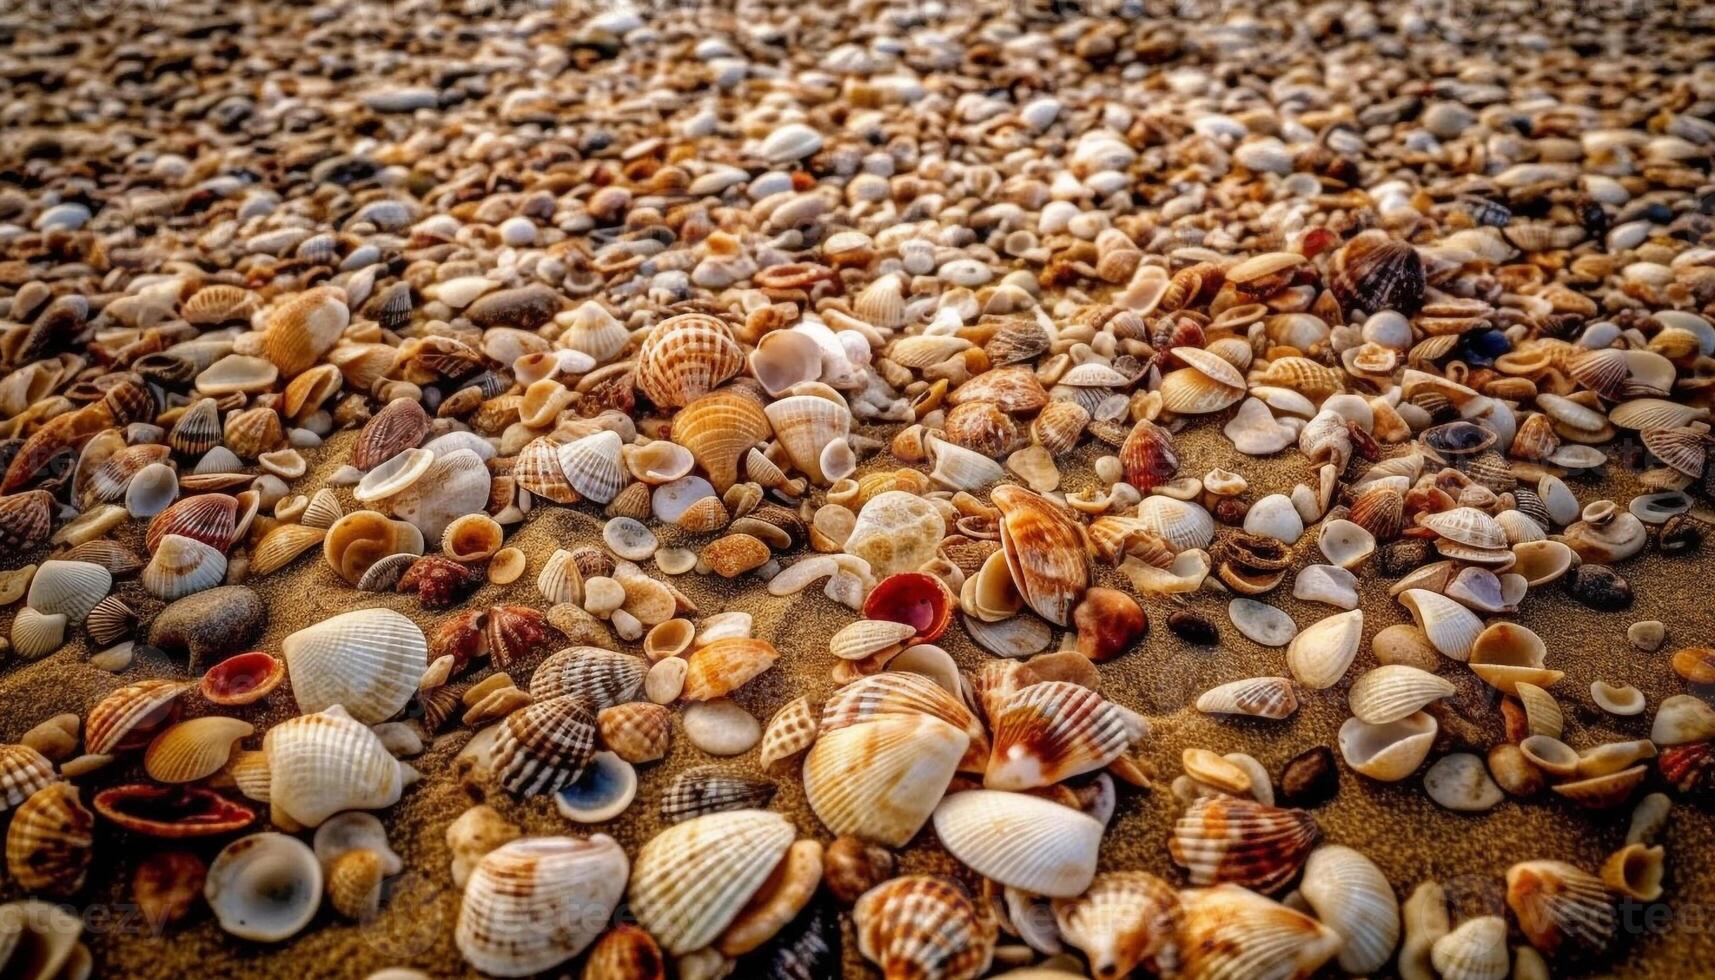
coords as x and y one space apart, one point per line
692 879
1451 628
534 903
1393 691
457 484
69 587
1476 950
368 660
1320 655
264 887
323 764
594 465
36 633
1352 897
1022 841
1388 752
1184 525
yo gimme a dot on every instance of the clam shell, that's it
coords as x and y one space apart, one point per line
281 546
1322 653
1044 552
25 518
50 841
304 327
702 790
23 771
805 425
923 926
691 880
36 634
71 588
880 779
1393 691
544 745
1257 697
1228 839
1147 456
1345 543
1476 950
1461 782
211 518
1125 920
400 425
1451 628
193 750
325 763
368 660
1352 897
182 566
636 731
602 677
532 904
866 637
1021 841
122 718
724 666
265 887
537 469
1185 526
594 466
685 357
898 693
1048 732
1230 933
719 429
1561 907
1387 752
958 468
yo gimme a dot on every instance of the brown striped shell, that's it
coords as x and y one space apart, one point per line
921 926
637 731
544 746
1229 839
51 841
1044 550
399 425
1054 730
685 357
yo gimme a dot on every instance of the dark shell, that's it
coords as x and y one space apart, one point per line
1148 456
1376 272
438 581
1460 438
25 519
526 307
703 790
603 677
399 425
807 949
1690 769
1311 778
1599 587
543 746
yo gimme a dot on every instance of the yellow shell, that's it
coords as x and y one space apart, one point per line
194 749
719 428
305 327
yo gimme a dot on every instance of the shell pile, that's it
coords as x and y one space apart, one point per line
929 488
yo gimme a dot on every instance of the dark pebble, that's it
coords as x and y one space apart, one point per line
1310 779
210 624
1193 628
1599 587
1399 557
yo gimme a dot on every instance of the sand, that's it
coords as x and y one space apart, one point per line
1396 825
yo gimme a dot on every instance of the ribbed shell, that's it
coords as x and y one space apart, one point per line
919 927
1561 907
702 790
369 660
25 518
805 425
194 749
326 763
545 745
691 880
400 425
789 732
719 429
1450 627
537 469
182 566
1230 933
1184 525
1228 839
637 731
724 666
1393 691
1467 526
602 677
71 588
1052 731
1044 551
304 327
197 430
1258 697
593 465
207 517
899 693
685 357
51 841
1125 919
141 704
625 952
23 771
1022 841
880 780
535 903
1352 897
281 546
1148 457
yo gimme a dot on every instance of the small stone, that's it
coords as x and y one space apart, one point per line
1193 628
852 866
55 738
1310 779
1695 664
1460 782
1599 587
1515 773
602 595
210 624
1647 635
114 659
721 727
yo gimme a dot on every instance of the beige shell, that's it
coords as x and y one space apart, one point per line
594 465
1451 628
361 538
194 749
1258 697
805 425
1352 896
1389 752
1231 933
896 531
1393 691
281 546
1044 551
719 429
458 483
685 357
532 904
1320 655
1561 908
303 328
590 328
691 880
923 926
121 719
789 732
724 666
265 887
881 779
323 764
867 637
1126 920
1048 732
1021 841
51 841
181 566
1475 950
23 771
368 660
636 731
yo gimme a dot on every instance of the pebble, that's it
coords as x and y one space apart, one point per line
1647 635
1311 778
55 738
721 727
210 624
1461 782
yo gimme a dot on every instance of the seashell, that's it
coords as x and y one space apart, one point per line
1542 562
1059 426
50 841
1228 933
537 469
1380 511
1635 872
324 763
362 539
1392 692
1183 525
805 425
1682 719
303 328
1345 543
243 679
1614 536
880 779
789 732
1450 627
636 731
129 716
69 588
1326 584
625 952
702 790
896 532
1388 752
1466 526
1048 732
23 771
718 429
368 660
924 926
456 484
1228 839
1258 697
593 465
193 750
1321 654
867 637
1654 413
685 357
110 621
323 510
151 490
1188 391
1125 920
544 745
1147 456
37 634
171 811
1621 700
1044 552
1254 431
394 476
1460 782
237 373
281 546
1476 950
265 887
25 519
1351 896
959 468
532 904
724 666
691 880
1375 271
1561 907
721 728
1505 654
601 677
1021 841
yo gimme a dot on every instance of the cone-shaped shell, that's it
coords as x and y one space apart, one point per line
1258 697
1125 920
532 904
544 746
692 879
1352 897
1320 655
805 425
325 763
1393 691
1230 933
50 841
1230 839
71 588
122 718
719 429
1561 907
265 887
181 566
685 357
1021 841
1052 731
1045 552
368 660
194 749
917 927
880 779
1451 628
594 466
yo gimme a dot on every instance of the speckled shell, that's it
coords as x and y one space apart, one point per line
1230 933
719 429
896 531
51 841
691 880
881 779
919 926
789 732
323 764
1044 551
685 357
535 903
1229 839
1125 920
1052 731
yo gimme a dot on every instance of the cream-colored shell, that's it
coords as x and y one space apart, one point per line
691 880
368 660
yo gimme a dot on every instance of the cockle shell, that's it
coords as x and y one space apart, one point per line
1388 752
181 566
805 426
544 745
1044 551
1352 897
532 904
36 634
23 771
264 887
1322 653
1475 950
724 666
636 731
880 779
1258 697
1125 920
601 677
691 880
303 328
193 750
368 660
322 764
400 425
129 716
51 841
719 429
455 484
1229 839
685 357
537 469
1231 933
1021 841
896 531
591 329
593 465
1561 907
25 518
702 790
1451 628
1147 456
922 926
894 693
71 588
1393 691
1051 731
1184 525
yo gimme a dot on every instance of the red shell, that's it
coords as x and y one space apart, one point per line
242 679
917 599
438 581
172 811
